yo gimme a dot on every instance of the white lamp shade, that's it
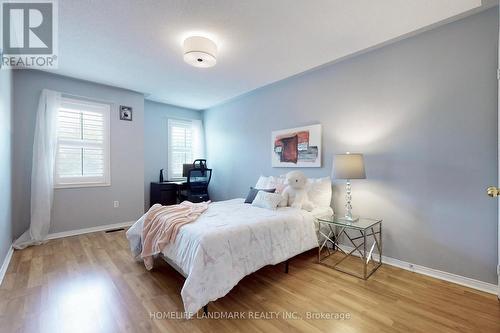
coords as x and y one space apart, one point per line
349 166
200 52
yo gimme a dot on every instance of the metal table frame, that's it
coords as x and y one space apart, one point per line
339 228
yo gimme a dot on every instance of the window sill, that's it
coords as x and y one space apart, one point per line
68 186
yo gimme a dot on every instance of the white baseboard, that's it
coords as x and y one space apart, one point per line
435 273
89 230
6 263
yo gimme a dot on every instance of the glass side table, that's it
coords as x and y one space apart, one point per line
358 235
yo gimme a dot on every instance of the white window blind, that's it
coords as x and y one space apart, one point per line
180 146
82 144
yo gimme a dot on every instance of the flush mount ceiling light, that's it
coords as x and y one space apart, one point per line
200 52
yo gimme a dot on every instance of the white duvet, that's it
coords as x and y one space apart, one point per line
229 241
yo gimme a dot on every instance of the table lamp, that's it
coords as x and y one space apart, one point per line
348 166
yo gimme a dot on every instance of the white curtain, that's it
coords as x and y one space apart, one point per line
198 139
42 172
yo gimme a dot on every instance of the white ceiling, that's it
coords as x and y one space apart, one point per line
137 44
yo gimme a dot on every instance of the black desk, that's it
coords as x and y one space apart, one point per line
166 193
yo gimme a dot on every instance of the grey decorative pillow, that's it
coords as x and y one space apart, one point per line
253 192
267 200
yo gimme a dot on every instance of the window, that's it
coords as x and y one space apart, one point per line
180 146
82 144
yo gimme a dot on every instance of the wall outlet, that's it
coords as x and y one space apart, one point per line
116 204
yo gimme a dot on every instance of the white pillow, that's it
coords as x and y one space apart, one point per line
278 183
262 183
320 191
268 183
267 200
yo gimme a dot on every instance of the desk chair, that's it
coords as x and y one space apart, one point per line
197 185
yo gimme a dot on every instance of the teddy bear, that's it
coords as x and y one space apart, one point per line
295 193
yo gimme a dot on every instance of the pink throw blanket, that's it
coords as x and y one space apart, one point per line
162 223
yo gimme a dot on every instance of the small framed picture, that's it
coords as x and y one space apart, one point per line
125 113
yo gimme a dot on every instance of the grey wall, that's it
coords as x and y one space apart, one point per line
80 207
5 162
424 113
156 117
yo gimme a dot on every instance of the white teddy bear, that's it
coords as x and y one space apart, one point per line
295 194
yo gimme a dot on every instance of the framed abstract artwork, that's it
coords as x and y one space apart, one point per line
297 147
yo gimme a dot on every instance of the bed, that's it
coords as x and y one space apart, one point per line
230 241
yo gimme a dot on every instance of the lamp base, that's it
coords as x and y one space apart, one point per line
348 207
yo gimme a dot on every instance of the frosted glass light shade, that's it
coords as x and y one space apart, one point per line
349 166
200 52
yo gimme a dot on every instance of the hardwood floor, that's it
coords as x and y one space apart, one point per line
90 283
